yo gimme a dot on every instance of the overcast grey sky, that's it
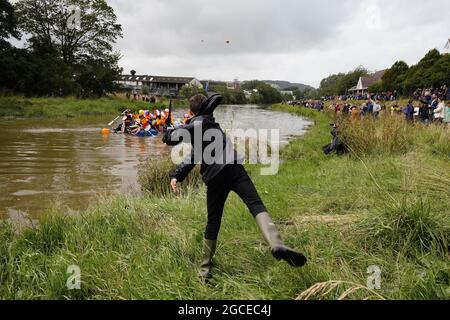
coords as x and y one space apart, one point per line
299 41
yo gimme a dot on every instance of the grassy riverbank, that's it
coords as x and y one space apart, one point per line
22 107
380 206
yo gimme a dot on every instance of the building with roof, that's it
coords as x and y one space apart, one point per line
365 82
158 85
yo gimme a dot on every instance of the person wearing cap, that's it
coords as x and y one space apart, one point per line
223 174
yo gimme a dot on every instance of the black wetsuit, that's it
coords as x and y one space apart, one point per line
220 177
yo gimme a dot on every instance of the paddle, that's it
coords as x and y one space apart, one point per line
111 123
169 118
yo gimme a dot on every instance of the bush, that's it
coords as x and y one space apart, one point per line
49 235
369 136
6 237
437 139
154 177
391 134
410 227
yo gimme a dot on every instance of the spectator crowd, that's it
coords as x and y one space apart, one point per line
425 105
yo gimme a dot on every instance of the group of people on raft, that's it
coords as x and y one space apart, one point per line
147 123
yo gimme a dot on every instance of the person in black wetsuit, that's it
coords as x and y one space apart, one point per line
222 174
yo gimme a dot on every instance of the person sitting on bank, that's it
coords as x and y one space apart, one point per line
225 173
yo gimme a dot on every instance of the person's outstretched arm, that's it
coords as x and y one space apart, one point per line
182 171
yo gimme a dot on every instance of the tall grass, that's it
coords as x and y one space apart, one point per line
154 177
387 135
410 227
391 134
436 138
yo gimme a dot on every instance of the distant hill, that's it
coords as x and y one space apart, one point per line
286 84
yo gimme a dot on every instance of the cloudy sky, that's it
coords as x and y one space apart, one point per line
297 40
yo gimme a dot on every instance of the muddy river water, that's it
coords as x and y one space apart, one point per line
67 163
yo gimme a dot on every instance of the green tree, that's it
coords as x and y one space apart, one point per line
266 93
311 93
256 98
96 75
393 78
239 97
420 75
187 91
145 90
74 28
232 96
69 50
339 84
295 92
287 97
8 21
375 87
9 68
439 73
329 86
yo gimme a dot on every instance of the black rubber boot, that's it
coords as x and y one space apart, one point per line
272 237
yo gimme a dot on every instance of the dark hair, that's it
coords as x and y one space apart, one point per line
196 102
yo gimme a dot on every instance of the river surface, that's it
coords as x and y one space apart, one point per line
67 163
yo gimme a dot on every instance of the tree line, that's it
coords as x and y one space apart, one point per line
68 47
432 71
260 93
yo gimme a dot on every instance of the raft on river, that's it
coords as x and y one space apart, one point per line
143 133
